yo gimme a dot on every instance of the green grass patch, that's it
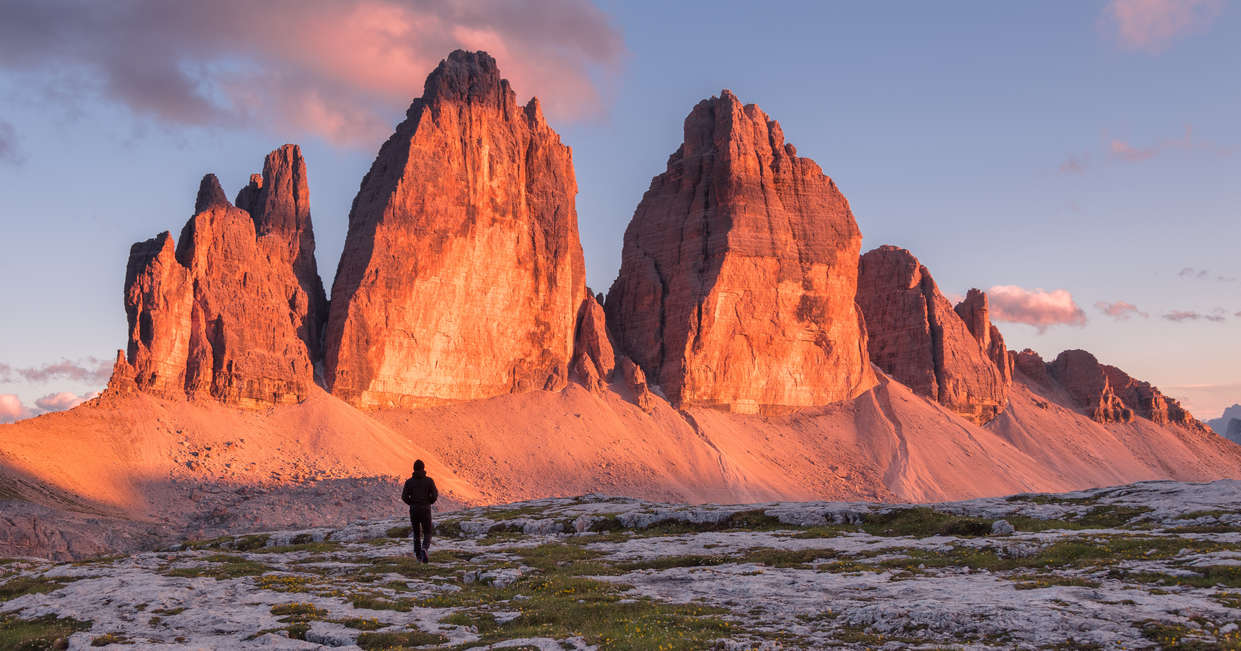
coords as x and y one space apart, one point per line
222 566
40 633
399 640
1038 581
363 623
1220 576
920 521
24 585
110 638
298 612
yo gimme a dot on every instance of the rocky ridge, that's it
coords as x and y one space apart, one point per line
1105 393
462 278
918 338
220 314
738 272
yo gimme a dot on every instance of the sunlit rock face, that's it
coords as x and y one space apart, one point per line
278 201
217 315
738 272
1108 394
920 340
462 272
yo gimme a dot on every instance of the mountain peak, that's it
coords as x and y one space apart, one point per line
466 77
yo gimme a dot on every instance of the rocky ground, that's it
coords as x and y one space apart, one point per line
1153 564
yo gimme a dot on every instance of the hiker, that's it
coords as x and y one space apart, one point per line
420 494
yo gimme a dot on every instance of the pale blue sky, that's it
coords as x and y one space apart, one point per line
1054 145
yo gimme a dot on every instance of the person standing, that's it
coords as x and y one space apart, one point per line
420 493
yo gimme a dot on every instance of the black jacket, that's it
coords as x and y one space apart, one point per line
420 491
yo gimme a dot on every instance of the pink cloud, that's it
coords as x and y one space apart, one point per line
1120 310
1124 151
1035 307
1151 25
341 70
61 401
11 408
90 370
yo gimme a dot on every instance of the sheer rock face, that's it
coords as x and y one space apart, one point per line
975 311
738 272
920 340
462 272
593 357
217 315
1108 394
279 204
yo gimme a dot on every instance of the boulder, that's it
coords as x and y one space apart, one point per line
920 340
738 272
462 273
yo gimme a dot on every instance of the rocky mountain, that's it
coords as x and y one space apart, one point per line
278 201
1221 424
462 274
918 338
738 272
220 314
729 362
1105 393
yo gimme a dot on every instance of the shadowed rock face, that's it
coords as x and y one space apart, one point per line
1087 382
976 313
738 272
462 272
218 315
1105 393
279 203
920 340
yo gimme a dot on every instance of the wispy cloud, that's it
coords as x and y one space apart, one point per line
1122 150
1035 307
341 70
1074 164
9 152
1152 25
1180 316
89 370
11 408
1120 310
1194 273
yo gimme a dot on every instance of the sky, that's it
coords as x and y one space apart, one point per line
1080 160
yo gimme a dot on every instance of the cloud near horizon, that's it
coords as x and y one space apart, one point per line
1036 307
343 71
1179 316
1152 25
1120 310
12 409
62 400
89 370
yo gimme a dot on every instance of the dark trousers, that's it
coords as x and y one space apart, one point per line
420 527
